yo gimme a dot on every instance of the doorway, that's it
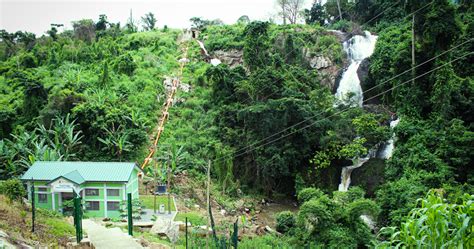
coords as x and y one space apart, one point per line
67 202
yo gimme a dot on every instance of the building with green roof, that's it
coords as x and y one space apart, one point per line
102 185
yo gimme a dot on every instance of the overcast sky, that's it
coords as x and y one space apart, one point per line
37 15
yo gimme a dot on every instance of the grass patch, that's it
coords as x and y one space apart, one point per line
195 218
51 227
147 201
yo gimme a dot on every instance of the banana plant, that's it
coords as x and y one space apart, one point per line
116 141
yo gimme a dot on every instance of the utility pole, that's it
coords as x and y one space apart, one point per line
339 8
154 188
168 188
208 202
413 49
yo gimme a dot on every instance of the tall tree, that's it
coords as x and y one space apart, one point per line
290 10
243 19
316 14
102 23
149 21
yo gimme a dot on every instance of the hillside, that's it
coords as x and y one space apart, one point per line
363 125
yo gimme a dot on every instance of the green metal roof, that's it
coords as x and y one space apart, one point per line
73 176
81 171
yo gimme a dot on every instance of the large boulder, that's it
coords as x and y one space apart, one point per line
232 57
166 227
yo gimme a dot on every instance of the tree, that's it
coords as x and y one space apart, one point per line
316 14
84 30
244 19
54 30
102 23
149 21
290 10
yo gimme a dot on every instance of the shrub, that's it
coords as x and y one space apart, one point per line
309 193
315 216
13 189
285 221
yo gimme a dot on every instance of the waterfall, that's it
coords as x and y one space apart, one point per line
203 49
357 48
346 171
213 61
387 151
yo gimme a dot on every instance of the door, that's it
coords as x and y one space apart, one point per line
67 202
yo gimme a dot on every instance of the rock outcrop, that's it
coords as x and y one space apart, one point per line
232 57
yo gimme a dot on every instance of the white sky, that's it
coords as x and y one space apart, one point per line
37 15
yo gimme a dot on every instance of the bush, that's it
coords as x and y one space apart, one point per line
13 189
309 193
285 221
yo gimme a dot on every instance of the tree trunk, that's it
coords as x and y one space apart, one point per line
339 8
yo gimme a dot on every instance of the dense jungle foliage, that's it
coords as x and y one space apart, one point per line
269 125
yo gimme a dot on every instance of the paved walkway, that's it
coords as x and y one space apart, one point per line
102 237
148 215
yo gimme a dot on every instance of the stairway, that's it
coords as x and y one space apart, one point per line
102 237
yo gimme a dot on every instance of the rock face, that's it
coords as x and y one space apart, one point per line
319 62
231 57
327 70
363 73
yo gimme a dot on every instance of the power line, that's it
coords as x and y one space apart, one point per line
305 127
293 50
365 92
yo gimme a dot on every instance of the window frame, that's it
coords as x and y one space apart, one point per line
113 189
91 189
88 205
41 200
42 189
113 202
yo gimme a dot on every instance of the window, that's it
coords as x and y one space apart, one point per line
113 205
92 205
92 192
42 189
42 198
113 192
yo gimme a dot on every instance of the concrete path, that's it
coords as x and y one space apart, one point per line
148 215
102 237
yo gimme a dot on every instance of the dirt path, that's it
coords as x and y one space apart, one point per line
102 237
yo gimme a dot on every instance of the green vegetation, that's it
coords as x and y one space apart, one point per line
13 189
434 223
51 227
148 201
195 218
269 125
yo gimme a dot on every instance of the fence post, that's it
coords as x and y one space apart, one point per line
33 211
129 211
235 236
77 216
186 231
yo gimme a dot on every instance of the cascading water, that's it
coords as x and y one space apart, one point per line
346 171
387 151
213 61
203 49
357 48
